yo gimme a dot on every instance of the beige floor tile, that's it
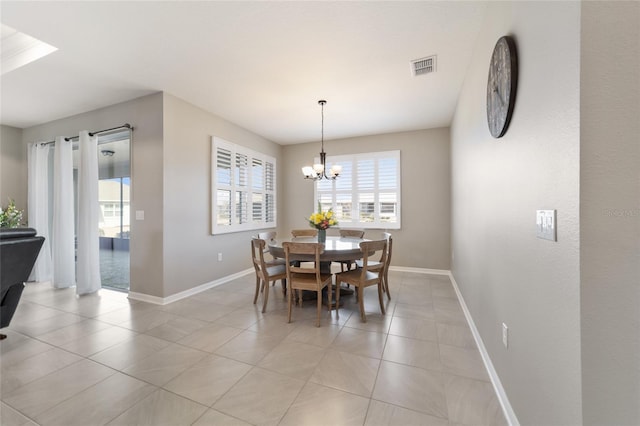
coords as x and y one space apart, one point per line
415 295
209 379
456 335
274 325
99 404
11 417
73 332
417 353
125 313
18 347
450 316
383 414
307 332
146 320
241 318
347 372
198 309
463 362
294 359
33 312
320 405
414 328
249 347
375 321
472 402
43 326
216 418
210 338
165 364
129 352
177 328
360 342
421 312
412 388
33 368
161 408
261 397
99 341
40 395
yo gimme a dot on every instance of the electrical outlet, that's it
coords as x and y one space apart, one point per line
505 335
219 257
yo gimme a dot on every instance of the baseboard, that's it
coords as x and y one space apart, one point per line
141 297
493 375
420 270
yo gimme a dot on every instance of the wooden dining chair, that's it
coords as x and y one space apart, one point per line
365 276
304 277
265 273
376 265
270 237
349 233
304 232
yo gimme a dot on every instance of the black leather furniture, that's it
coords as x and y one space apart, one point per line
19 248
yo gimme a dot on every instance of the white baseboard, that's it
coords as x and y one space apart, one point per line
187 293
493 375
420 270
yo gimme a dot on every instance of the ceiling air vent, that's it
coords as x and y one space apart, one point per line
423 66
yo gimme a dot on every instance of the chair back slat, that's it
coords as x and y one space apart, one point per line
304 249
354 233
257 256
370 248
304 232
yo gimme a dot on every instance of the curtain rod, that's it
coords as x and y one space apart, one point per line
124 126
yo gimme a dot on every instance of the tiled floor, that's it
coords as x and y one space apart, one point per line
215 359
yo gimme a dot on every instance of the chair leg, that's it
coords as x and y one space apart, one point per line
255 298
361 303
266 296
337 298
289 300
284 286
319 309
386 284
380 291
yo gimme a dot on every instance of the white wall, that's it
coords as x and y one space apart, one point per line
13 170
190 251
610 212
424 240
504 272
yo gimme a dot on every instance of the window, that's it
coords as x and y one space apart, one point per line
367 192
244 188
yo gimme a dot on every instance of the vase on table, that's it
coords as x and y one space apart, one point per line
322 235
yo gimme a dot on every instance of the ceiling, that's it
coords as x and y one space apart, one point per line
261 65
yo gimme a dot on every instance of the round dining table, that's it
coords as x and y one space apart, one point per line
335 248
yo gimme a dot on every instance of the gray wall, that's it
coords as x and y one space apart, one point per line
424 240
504 272
13 169
610 212
145 114
190 254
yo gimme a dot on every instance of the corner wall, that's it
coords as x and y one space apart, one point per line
190 251
506 274
424 240
610 212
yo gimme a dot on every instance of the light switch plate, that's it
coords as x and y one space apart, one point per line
139 214
546 224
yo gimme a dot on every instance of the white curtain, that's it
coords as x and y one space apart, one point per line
88 277
38 193
63 233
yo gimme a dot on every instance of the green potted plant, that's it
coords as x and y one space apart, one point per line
10 217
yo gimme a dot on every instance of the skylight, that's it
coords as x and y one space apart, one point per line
19 49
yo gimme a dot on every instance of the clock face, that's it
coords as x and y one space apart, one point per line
501 86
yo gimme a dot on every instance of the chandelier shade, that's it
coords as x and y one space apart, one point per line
319 170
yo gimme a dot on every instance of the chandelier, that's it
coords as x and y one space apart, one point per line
319 170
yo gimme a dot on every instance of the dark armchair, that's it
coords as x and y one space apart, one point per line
19 248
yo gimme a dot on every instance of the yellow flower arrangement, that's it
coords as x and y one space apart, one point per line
322 220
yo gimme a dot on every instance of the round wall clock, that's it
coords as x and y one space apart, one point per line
501 86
